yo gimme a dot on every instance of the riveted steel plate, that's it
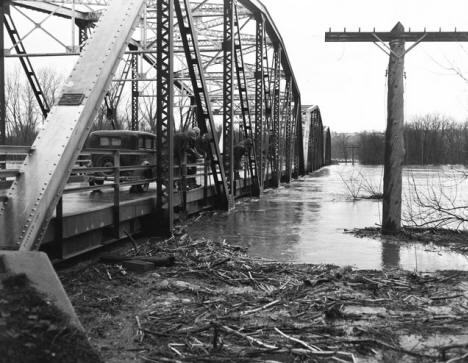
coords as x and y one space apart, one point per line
71 99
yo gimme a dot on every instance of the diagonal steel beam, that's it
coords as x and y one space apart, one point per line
244 104
276 172
259 98
35 193
26 64
200 90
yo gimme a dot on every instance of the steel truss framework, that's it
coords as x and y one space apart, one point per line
315 148
228 97
211 63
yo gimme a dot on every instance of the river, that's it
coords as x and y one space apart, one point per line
305 221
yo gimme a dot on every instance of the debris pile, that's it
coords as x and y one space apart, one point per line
217 304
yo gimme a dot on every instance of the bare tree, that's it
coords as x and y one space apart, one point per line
23 115
361 186
51 83
438 203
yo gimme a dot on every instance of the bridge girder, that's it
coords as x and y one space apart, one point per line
263 103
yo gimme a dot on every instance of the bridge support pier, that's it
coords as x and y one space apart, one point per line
41 275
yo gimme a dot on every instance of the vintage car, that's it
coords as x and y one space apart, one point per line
126 141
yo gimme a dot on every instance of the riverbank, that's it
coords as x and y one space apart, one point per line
218 304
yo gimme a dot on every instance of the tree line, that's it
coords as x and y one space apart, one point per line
24 117
429 139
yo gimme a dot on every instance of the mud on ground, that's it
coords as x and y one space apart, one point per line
219 305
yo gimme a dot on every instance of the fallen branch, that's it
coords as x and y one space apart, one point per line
304 344
247 312
250 339
388 346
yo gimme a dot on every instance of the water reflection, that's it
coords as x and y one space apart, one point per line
304 222
390 255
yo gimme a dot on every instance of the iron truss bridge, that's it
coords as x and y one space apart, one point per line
162 66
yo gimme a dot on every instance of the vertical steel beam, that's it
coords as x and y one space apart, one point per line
322 144
228 98
299 157
294 158
82 36
267 141
317 142
285 103
83 29
135 92
259 99
327 160
288 131
312 142
164 117
276 172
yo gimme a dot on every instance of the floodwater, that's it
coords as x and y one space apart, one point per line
305 222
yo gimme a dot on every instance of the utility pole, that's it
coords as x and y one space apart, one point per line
394 136
394 143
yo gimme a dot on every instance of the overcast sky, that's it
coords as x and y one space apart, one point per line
347 80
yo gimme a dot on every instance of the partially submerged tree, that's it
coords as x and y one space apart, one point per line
439 202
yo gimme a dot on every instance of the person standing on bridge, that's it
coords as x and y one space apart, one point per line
185 150
241 149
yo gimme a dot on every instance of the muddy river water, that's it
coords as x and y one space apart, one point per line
305 221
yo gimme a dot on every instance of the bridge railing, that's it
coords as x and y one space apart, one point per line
14 155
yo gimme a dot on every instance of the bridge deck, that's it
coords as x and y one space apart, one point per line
87 219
